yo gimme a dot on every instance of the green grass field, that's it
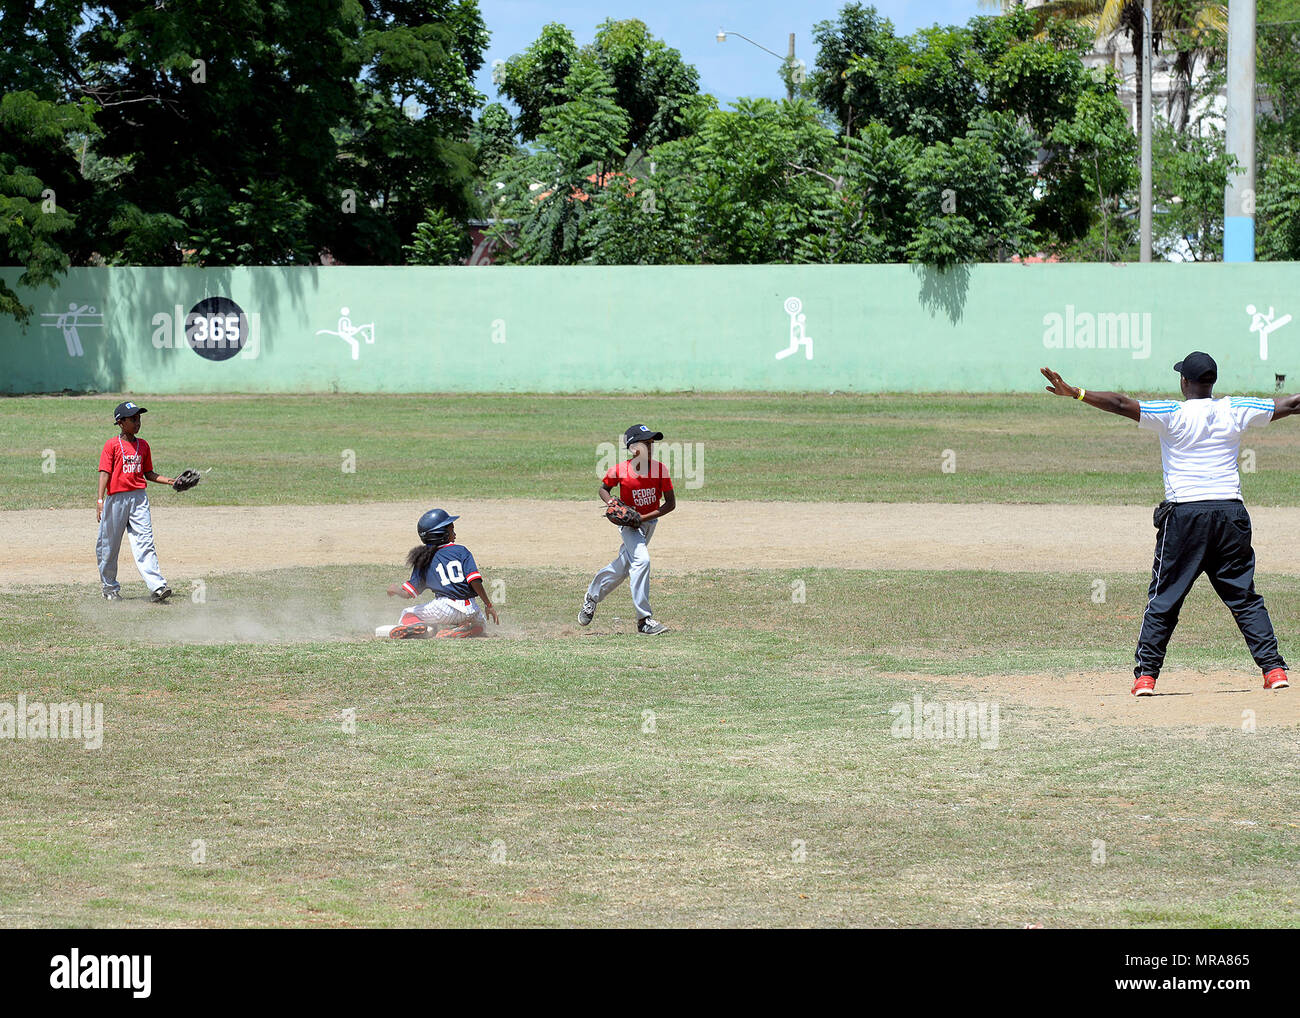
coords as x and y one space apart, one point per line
769 740
290 449
740 770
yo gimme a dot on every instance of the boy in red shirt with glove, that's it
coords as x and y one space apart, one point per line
125 464
642 481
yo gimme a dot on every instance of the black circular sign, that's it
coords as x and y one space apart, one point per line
216 328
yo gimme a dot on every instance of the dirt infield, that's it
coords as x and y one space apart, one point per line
58 545
1234 700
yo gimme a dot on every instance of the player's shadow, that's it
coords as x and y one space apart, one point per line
944 290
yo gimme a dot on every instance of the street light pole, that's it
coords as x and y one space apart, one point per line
788 60
1144 219
789 72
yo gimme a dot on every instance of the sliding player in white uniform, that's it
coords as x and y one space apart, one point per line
441 565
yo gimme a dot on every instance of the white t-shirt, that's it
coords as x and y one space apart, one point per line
1199 440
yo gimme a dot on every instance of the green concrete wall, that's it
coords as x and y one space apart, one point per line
873 328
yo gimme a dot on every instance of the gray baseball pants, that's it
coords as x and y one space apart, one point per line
127 512
633 565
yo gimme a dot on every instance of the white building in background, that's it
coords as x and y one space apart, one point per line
1116 52
1207 113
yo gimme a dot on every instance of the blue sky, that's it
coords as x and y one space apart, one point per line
727 70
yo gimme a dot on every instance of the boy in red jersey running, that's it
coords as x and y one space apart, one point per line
642 482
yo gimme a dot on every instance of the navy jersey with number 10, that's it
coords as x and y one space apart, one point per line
449 574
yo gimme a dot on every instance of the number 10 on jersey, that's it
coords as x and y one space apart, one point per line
452 573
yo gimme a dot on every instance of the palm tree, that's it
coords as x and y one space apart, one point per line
1197 28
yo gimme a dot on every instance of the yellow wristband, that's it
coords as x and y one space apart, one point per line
1082 392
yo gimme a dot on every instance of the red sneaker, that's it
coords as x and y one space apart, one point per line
1276 679
1144 685
413 631
408 619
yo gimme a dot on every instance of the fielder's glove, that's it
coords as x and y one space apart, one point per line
186 479
621 514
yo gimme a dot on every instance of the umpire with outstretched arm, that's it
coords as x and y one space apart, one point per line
1202 525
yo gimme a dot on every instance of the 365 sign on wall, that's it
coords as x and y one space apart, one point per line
216 328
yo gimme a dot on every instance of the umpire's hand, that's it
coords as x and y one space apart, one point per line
1059 385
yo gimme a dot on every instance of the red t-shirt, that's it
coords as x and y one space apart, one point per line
126 461
639 491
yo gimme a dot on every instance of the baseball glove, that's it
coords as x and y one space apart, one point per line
621 514
186 479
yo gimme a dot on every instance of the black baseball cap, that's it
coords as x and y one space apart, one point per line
1198 367
127 409
640 433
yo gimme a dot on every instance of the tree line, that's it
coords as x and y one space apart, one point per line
139 132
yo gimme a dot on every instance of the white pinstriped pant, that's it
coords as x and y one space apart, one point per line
444 611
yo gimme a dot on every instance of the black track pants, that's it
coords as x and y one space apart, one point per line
1211 538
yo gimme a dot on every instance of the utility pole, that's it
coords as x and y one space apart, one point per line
1239 195
1144 222
790 71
